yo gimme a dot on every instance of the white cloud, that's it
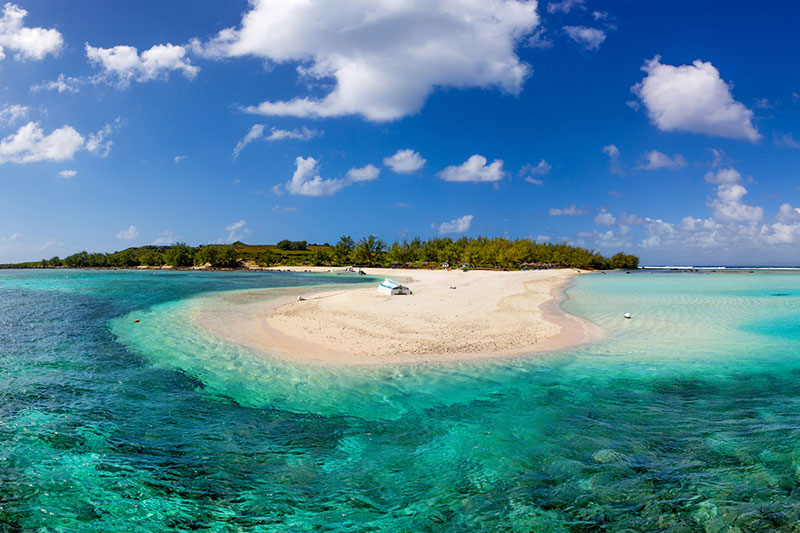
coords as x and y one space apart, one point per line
366 173
693 98
719 157
564 6
123 64
539 39
589 38
128 234
655 160
785 140
728 207
256 132
302 134
164 238
27 43
543 238
722 176
788 214
178 159
384 57
604 218
566 211
457 225
540 169
236 231
284 208
98 142
63 84
405 161
30 144
763 103
613 154
306 180
9 114
599 15
66 174
474 169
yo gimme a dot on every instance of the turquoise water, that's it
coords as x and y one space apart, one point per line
684 418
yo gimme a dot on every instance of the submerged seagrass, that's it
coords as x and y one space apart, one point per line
685 416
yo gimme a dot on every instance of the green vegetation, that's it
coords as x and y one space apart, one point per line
480 252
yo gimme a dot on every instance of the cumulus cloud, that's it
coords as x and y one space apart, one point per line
122 64
306 180
570 211
693 98
589 38
728 206
30 144
655 160
164 238
384 57
785 140
63 84
539 39
788 214
128 234
723 176
257 131
98 142
301 134
236 231
614 165
475 170
178 159
367 173
10 114
26 43
405 161
457 225
564 6
540 169
66 174
604 218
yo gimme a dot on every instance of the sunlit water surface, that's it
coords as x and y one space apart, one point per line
684 418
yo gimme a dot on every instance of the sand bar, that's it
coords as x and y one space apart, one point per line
484 314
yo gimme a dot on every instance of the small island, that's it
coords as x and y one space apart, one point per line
493 253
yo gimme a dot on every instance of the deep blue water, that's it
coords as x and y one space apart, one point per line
685 418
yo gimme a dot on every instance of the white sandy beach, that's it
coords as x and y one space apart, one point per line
487 314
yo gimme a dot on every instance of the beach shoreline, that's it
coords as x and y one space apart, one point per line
452 316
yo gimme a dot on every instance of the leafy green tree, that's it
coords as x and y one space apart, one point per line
319 257
624 261
369 251
179 255
266 258
122 259
298 246
217 256
152 258
343 251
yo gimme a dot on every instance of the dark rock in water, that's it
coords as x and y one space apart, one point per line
779 294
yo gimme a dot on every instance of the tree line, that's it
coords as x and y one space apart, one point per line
469 252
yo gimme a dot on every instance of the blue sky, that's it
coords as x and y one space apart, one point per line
668 129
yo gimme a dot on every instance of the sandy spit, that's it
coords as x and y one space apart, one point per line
451 316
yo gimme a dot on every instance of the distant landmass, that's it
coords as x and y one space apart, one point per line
444 252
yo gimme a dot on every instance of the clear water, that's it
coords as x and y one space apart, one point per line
685 418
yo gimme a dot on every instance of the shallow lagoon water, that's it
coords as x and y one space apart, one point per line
684 418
